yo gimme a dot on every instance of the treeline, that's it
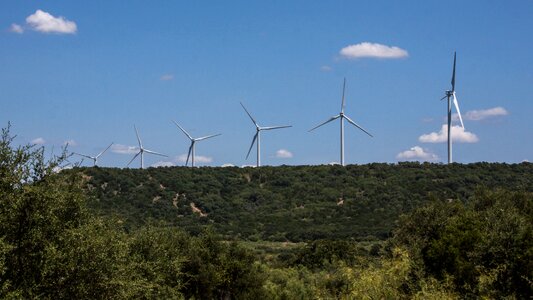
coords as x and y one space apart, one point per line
300 203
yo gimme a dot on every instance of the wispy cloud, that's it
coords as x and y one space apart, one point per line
417 153
166 77
71 143
197 159
16 28
44 22
477 115
326 68
227 165
38 141
283 153
458 135
163 164
372 50
124 149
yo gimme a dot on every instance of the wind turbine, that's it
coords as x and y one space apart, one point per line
193 142
257 136
342 116
142 150
451 95
94 158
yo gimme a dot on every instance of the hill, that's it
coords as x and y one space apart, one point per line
290 203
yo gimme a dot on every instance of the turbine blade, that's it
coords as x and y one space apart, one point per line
343 89
329 120
186 133
189 154
355 124
103 151
453 74
445 96
458 111
87 156
207 137
138 138
155 153
249 115
133 158
274 127
252 145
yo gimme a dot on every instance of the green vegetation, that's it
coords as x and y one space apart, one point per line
74 234
292 204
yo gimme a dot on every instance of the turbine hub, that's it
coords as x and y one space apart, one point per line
449 93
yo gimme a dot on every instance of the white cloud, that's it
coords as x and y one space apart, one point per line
417 153
477 115
227 165
71 143
16 28
163 164
197 159
458 135
44 22
282 153
124 149
38 141
326 68
166 77
248 166
372 50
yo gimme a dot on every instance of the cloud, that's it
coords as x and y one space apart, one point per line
166 77
71 143
326 69
163 164
282 153
124 149
46 23
417 153
38 141
477 115
372 50
458 135
227 165
197 159
16 28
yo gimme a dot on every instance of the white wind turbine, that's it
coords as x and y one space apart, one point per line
142 150
257 135
451 95
94 158
193 142
342 116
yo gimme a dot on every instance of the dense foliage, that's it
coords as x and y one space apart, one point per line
451 241
291 203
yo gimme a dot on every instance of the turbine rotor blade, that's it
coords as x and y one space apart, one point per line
207 137
87 156
458 111
184 131
453 74
356 125
154 153
133 159
103 151
249 115
445 96
189 154
329 120
138 138
343 89
274 127
252 145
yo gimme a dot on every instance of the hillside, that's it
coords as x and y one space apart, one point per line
289 203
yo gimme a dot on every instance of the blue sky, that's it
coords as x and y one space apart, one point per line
87 71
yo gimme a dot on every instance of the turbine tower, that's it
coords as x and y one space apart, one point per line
193 141
94 158
142 150
257 136
450 94
342 116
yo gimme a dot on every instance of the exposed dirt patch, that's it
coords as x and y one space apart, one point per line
197 210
